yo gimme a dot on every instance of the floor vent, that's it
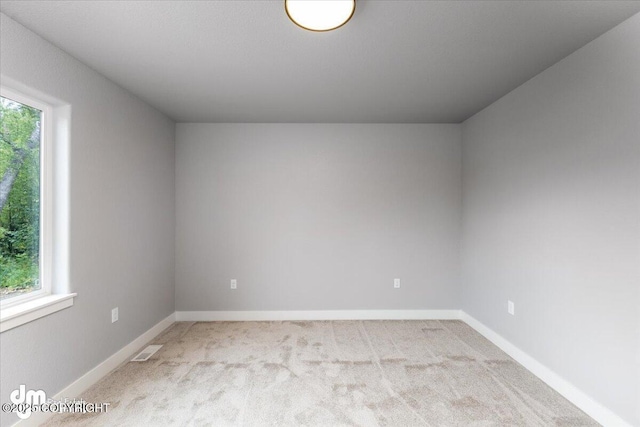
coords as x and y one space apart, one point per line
145 354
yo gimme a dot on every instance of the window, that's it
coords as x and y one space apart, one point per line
21 137
26 213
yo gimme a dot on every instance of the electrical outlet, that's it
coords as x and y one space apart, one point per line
114 315
511 308
396 283
234 284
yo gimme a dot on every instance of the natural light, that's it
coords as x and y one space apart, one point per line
20 137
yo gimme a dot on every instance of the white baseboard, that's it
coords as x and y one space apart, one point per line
210 316
592 408
75 389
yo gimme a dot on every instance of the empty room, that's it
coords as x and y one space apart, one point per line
320 213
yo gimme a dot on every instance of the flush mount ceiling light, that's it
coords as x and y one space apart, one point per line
320 15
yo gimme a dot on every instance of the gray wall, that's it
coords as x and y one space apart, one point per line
317 217
552 218
121 220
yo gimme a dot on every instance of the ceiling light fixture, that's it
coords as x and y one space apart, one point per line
320 15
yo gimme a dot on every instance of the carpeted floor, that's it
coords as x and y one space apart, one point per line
338 373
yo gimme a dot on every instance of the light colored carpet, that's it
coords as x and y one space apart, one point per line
338 373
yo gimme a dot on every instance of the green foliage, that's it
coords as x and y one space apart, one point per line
20 216
18 272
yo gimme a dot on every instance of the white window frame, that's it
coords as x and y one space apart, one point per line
15 311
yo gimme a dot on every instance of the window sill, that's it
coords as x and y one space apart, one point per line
20 314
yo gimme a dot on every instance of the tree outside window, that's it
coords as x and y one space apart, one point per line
20 141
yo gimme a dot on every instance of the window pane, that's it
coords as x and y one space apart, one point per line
19 198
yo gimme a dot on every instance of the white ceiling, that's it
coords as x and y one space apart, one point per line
395 61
